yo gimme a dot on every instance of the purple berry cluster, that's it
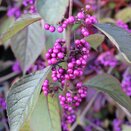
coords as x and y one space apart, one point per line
45 87
58 74
107 59
117 125
38 65
16 11
57 53
126 83
2 103
61 28
75 58
123 25
29 6
81 17
70 102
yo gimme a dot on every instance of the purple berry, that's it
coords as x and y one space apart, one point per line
52 29
46 26
60 29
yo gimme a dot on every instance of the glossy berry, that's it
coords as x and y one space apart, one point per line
52 29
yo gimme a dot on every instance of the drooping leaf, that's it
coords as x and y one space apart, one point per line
112 87
46 115
124 15
52 12
28 44
5 23
95 40
20 24
22 98
119 37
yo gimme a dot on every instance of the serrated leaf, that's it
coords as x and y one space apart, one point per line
28 44
119 37
52 12
46 115
112 87
95 40
124 15
22 98
20 24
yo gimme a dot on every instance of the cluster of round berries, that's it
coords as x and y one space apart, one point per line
38 65
70 101
16 11
81 17
107 59
126 83
117 125
29 4
59 75
57 53
60 29
2 103
76 59
45 87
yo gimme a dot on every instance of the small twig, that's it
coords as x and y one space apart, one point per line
95 126
4 78
128 114
98 9
68 33
89 105
4 122
68 36
110 70
70 7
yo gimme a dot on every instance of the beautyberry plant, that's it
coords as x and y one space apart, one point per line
74 65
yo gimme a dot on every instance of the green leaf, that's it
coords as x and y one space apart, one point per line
18 26
75 26
112 87
26 127
124 15
0 2
5 23
112 5
95 40
46 115
28 44
22 98
119 37
126 128
107 20
52 12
